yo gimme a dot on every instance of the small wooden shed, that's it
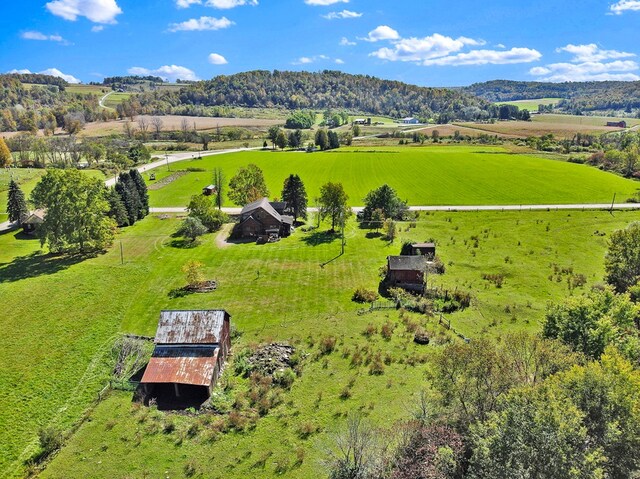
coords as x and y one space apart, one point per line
31 222
209 190
406 272
424 249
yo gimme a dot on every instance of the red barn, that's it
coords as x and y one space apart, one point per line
406 272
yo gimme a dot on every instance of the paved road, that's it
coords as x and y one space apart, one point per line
355 209
173 158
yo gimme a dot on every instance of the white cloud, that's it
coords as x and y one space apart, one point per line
97 11
588 71
345 42
34 35
592 53
383 32
202 23
167 72
97 28
323 3
54 72
487 57
339 61
422 49
588 63
308 60
625 5
341 15
187 3
217 59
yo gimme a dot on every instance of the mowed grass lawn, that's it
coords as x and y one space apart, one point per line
27 178
440 175
61 316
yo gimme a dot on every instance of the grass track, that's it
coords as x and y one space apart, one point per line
460 175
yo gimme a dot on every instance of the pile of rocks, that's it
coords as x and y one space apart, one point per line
271 358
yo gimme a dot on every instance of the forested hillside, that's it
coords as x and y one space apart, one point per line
321 90
616 97
30 102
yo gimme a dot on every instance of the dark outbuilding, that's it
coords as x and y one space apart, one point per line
406 272
424 249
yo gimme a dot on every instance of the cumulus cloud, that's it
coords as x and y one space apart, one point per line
383 32
97 11
622 6
308 60
50 71
421 49
166 72
592 53
323 3
487 57
341 15
97 28
339 61
217 59
589 64
220 4
34 35
345 42
202 23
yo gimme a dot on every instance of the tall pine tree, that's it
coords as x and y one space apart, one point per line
295 195
117 208
127 190
143 194
16 204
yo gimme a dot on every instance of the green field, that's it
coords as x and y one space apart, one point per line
583 119
531 105
27 178
115 99
61 315
88 89
464 175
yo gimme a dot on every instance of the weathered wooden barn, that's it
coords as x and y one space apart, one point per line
190 350
424 249
260 218
209 190
406 272
617 124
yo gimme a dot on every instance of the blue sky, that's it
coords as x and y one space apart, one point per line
417 41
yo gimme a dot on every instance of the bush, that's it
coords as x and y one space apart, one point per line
50 439
497 279
363 295
327 345
387 330
284 378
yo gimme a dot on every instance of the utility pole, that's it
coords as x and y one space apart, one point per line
342 223
121 253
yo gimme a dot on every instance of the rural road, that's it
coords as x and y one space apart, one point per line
355 209
101 101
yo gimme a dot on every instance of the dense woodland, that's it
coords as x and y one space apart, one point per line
322 90
619 97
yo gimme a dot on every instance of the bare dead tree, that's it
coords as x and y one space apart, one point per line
157 124
129 130
143 124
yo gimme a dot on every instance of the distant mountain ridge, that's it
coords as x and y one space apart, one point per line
579 97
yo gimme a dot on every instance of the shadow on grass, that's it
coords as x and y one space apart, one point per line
183 243
373 235
37 264
320 237
180 292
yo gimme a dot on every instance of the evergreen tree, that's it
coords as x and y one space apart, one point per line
322 141
219 183
16 204
117 208
143 194
127 190
334 140
295 195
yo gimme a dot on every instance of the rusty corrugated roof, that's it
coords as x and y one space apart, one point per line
188 369
404 263
190 327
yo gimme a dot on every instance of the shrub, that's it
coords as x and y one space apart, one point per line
370 330
386 331
50 439
306 429
363 295
497 279
284 378
327 345
376 367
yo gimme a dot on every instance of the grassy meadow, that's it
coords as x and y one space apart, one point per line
532 104
429 175
63 314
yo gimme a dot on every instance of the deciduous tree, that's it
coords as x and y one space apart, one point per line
247 185
5 155
333 204
622 262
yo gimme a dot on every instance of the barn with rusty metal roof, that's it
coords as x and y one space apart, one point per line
190 350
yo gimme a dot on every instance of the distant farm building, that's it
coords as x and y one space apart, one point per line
424 249
31 223
410 121
360 121
406 272
209 190
262 219
190 350
617 124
